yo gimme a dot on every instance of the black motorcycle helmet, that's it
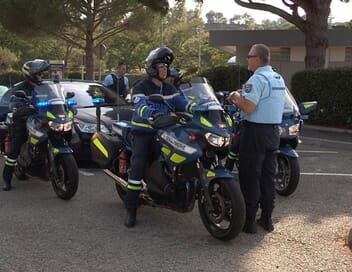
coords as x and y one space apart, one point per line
158 55
32 68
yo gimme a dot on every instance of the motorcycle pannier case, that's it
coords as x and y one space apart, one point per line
104 148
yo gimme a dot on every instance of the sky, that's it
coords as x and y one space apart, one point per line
340 12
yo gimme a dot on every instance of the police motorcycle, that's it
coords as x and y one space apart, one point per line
185 166
287 168
46 153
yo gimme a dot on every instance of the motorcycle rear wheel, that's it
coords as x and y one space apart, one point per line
66 185
287 175
228 217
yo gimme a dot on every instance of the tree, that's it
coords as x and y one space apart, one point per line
215 18
314 24
245 19
82 23
7 60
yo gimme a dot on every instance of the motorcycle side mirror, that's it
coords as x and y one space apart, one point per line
70 95
156 98
305 108
20 93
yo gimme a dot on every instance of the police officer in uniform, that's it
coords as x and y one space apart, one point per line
118 83
157 62
261 102
32 71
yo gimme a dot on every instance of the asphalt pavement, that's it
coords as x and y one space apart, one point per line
39 232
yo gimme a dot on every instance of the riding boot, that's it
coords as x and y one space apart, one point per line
131 203
265 222
7 176
230 160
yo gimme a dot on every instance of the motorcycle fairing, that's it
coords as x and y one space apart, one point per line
288 151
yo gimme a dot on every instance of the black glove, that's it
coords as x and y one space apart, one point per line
157 115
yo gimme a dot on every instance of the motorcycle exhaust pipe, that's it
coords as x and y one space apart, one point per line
117 179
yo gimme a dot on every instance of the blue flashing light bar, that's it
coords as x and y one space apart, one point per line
42 103
98 100
72 102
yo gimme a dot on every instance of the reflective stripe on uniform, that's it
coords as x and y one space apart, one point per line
232 156
134 188
12 164
134 182
141 110
10 160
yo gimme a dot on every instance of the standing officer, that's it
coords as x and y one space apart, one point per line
158 62
32 71
118 82
261 103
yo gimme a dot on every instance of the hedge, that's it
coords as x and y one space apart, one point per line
332 88
226 78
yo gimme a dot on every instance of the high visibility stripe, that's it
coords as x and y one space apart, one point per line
50 115
141 124
10 163
141 110
11 160
134 188
231 157
101 148
134 182
176 158
205 122
210 174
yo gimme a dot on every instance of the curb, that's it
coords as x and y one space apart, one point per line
328 129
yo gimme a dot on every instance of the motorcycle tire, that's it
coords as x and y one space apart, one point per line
229 208
19 173
67 184
287 175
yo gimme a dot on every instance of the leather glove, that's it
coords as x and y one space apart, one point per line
156 115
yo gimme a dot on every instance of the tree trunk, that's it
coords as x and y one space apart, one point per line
316 35
89 57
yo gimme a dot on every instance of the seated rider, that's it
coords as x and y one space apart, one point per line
143 135
32 71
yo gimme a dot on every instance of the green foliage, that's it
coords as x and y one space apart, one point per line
10 78
7 60
332 88
226 78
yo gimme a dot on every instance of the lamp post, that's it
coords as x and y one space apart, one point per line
199 46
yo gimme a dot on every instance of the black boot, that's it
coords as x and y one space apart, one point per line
7 185
229 164
249 227
130 219
266 223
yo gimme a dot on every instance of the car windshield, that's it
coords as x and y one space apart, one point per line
85 91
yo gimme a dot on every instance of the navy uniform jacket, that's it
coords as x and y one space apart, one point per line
144 108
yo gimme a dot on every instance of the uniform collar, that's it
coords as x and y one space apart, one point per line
263 69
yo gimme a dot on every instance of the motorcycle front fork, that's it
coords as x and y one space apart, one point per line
204 186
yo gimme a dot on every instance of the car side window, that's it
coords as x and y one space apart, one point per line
5 100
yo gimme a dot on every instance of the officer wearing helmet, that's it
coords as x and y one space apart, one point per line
157 67
32 71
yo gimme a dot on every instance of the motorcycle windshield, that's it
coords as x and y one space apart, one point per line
50 100
290 103
203 95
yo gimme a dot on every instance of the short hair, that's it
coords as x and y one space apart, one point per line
263 52
121 63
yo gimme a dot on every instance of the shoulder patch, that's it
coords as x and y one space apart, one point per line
247 87
136 99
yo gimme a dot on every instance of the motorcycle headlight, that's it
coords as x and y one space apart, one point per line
60 127
90 127
216 140
293 130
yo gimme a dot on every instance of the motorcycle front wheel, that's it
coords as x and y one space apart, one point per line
66 183
226 221
287 175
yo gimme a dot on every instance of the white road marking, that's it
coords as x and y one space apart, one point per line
328 141
317 151
326 174
85 173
